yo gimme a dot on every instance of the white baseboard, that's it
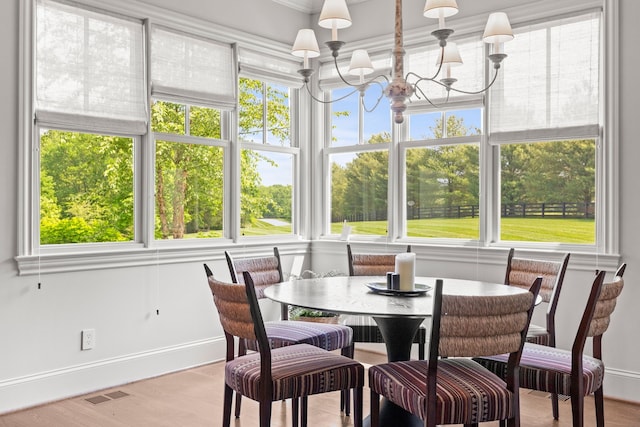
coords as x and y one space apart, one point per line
23 392
622 385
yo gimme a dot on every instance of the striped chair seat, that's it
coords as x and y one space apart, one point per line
549 369
538 335
326 336
297 371
473 395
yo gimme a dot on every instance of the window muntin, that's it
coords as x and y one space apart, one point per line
86 188
548 191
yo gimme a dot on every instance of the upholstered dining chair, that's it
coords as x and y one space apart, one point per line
571 372
521 272
364 327
290 372
450 388
265 272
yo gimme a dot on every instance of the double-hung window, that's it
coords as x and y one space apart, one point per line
358 140
269 146
440 148
193 94
547 129
89 115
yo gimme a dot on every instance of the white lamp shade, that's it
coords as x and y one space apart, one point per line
434 8
451 55
360 63
334 14
498 29
306 43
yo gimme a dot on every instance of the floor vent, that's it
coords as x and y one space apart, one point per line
106 397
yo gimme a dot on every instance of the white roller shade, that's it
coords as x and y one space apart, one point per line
192 69
550 80
89 69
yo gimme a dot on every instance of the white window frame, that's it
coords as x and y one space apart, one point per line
144 250
607 159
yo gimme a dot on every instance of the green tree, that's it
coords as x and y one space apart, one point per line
86 188
445 175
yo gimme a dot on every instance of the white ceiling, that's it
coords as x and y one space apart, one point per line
309 6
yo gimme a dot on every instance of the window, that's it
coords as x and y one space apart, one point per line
548 191
548 132
86 188
442 177
268 161
189 171
89 107
360 168
191 134
536 162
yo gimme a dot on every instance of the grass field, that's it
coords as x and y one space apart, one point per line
518 229
581 231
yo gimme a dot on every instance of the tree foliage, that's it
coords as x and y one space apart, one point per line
86 182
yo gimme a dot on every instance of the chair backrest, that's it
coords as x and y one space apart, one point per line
371 264
466 326
522 272
265 271
597 314
606 303
482 325
239 313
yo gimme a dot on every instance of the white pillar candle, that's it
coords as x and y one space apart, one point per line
406 268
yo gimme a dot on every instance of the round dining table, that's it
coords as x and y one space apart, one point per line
397 313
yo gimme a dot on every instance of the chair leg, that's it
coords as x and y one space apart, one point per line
421 344
226 412
599 398
554 405
303 412
374 405
295 412
242 350
265 414
577 409
357 406
345 395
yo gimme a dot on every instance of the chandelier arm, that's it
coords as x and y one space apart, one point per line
377 102
427 98
495 76
365 84
322 101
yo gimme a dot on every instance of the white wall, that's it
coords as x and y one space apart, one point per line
40 357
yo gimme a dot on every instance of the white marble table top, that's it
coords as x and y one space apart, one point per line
350 295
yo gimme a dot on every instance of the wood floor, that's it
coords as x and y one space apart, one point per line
193 398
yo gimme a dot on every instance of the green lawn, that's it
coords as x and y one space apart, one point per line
518 229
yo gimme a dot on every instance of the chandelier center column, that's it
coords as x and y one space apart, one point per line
398 91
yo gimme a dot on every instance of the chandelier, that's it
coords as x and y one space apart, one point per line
335 15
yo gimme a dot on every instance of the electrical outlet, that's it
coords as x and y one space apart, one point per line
88 339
